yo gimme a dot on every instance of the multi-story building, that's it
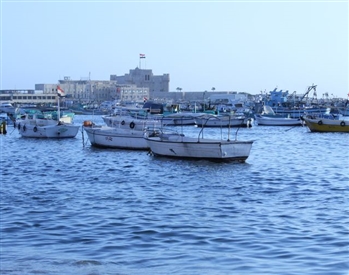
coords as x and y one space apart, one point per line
136 86
97 91
18 97
144 78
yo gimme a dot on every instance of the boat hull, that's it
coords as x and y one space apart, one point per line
62 131
186 147
177 121
223 121
109 137
128 122
277 121
297 113
327 125
48 131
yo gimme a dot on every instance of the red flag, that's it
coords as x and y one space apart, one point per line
60 91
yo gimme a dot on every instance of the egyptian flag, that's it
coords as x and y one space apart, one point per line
141 55
60 92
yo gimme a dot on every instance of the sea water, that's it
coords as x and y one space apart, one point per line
69 208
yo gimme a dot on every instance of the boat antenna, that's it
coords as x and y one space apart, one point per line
236 133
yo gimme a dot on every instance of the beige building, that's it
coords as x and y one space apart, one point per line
146 79
137 86
96 91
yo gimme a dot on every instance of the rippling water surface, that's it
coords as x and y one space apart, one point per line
69 208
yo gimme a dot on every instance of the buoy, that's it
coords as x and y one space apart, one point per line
88 123
3 127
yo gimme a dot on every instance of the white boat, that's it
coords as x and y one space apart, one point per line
222 121
173 144
115 137
7 107
277 121
128 122
32 126
269 118
149 114
176 119
35 125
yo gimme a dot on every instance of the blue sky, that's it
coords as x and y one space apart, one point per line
244 46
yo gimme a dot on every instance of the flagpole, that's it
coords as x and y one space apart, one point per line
58 109
141 56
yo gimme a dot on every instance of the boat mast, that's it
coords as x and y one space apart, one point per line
313 87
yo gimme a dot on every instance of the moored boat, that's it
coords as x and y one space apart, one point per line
36 127
128 122
125 133
169 143
277 121
321 124
111 137
7 107
269 118
39 125
222 121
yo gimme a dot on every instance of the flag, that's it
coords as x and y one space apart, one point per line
60 92
141 55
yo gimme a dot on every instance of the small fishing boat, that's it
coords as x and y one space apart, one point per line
128 122
7 107
277 121
269 118
125 133
169 143
321 124
112 137
39 125
35 126
222 121
176 119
